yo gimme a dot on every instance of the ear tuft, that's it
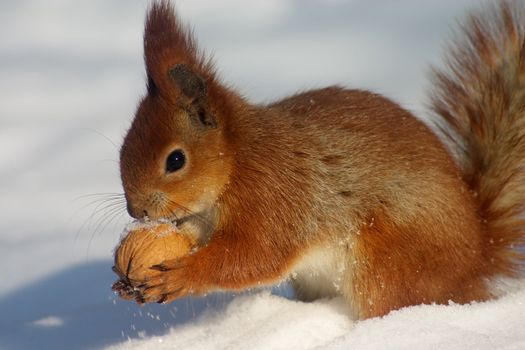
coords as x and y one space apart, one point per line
171 54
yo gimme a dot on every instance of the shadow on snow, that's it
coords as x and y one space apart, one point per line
75 308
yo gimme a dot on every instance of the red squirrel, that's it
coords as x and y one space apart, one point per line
342 192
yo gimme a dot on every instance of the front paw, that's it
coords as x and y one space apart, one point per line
174 279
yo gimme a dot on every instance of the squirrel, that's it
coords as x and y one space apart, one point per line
341 191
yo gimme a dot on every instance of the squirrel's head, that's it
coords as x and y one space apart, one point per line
175 160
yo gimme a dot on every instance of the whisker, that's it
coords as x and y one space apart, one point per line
105 198
101 194
101 206
102 202
102 224
110 208
102 135
171 211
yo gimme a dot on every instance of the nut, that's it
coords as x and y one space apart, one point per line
144 246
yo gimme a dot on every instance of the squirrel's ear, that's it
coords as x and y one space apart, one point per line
193 87
176 68
189 82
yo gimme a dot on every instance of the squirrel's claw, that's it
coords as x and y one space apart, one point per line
124 290
172 282
160 267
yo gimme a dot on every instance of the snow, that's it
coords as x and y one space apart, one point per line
50 321
265 321
71 77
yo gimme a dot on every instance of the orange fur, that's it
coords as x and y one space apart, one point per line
343 190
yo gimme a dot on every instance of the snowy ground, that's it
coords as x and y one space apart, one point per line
71 74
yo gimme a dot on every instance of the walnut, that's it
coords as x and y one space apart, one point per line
143 246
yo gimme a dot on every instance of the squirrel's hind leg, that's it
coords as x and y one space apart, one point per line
395 266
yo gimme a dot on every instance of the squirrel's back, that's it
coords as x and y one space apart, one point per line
364 147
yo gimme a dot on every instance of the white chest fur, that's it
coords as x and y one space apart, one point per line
319 273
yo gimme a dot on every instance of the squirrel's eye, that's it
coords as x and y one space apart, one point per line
175 161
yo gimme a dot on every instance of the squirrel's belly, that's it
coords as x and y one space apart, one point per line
320 273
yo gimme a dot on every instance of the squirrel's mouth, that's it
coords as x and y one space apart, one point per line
178 218
179 221
181 217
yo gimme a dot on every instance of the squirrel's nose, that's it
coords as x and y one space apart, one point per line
134 212
149 206
130 210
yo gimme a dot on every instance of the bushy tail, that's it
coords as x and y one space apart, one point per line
480 104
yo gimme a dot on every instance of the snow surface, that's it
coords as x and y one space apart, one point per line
71 74
266 321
